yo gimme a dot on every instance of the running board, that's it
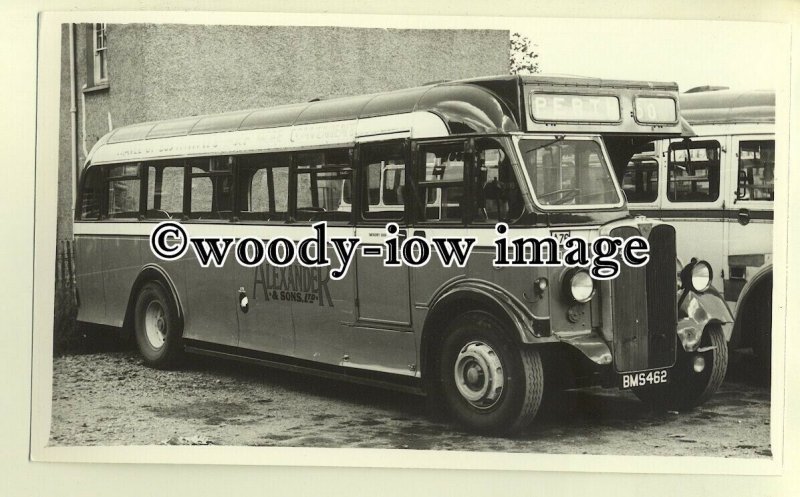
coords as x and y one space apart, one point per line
359 377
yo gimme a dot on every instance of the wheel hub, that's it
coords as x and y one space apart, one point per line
478 375
155 324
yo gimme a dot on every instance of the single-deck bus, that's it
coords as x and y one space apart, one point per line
452 158
721 184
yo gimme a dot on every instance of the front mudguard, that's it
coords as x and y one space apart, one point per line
696 311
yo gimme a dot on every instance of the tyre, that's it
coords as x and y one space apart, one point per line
762 341
687 388
156 326
488 383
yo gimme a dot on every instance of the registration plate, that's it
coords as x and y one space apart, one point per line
644 378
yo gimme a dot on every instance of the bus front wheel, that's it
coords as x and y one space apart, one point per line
489 384
157 327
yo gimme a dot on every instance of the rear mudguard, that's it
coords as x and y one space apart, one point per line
750 290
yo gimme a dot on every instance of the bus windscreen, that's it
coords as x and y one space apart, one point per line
568 172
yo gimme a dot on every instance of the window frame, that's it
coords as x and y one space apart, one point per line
658 180
249 161
145 176
545 208
188 176
107 179
101 172
360 194
417 171
721 146
295 171
507 146
739 140
96 64
100 53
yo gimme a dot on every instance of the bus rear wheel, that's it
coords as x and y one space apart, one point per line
489 384
689 388
157 327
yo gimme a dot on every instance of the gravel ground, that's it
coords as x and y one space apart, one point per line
109 397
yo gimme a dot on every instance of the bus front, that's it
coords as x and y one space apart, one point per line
656 328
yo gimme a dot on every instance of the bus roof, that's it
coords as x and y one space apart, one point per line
486 112
728 107
479 105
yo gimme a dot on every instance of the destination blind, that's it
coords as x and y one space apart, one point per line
656 110
557 107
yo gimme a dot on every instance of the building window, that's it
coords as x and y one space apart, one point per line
100 53
96 56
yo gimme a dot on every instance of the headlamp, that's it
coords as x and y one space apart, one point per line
697 276
579 285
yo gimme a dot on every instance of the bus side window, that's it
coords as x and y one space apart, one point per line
91 193
164 190
383 182
211 195
440 180
693 171
264 187
756 170
319 185
497 196
640 181
123 189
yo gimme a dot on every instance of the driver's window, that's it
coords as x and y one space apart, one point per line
497 195
164 191
322 179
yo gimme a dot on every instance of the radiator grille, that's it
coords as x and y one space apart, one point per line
644 305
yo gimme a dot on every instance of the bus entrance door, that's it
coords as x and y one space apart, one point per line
750 215
382 337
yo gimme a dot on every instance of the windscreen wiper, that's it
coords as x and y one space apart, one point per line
559 138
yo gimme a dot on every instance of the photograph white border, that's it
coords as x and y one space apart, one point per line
46 188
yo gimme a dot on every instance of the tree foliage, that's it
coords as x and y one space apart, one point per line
522 57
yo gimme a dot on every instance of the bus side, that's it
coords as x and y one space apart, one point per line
718 193
371 319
